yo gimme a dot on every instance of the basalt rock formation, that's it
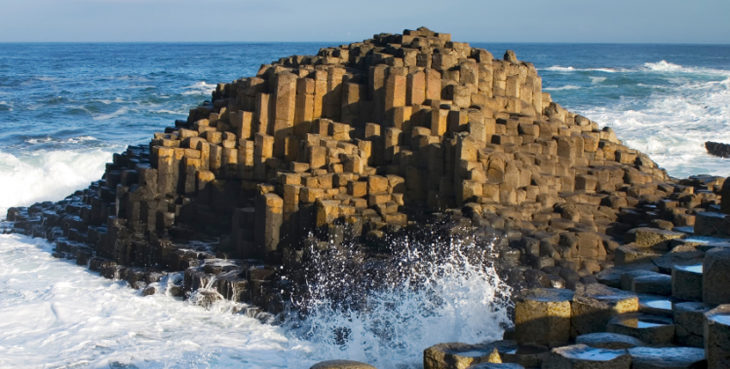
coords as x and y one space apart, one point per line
361 141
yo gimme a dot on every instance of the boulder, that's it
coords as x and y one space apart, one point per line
718 149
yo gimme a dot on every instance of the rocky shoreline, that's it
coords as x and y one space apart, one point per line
411 134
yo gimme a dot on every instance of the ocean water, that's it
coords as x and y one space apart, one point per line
66 108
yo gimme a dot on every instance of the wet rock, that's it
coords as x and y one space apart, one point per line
718 149
652 329
456 355
666 357
607 340
717 337
341 364
542 317
582 356
149 290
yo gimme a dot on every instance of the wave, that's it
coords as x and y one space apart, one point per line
119 112
562 88
5 106
558 68
672 124
200 88
432 289
71 140
597 80
47 175
59 315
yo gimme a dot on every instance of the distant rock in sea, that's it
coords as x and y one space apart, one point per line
718 149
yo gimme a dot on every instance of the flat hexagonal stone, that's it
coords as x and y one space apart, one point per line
652 329
655 305
583 356
717 337
608 340
666 357
653 237
457 355
341 364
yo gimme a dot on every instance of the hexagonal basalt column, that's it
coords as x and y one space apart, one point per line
542 317
716 277
717 337
594 305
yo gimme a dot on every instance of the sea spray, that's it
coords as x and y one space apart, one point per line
387 312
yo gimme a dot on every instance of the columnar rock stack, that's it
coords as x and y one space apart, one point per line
361 140
362 134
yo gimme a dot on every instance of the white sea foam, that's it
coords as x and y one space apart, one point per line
446 292
49 139
562 88
119 112
673 125
568 69
59 315
47 175
200 88
597 80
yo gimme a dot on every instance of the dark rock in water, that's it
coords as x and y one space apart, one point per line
718 149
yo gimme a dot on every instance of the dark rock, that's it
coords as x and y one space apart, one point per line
718 149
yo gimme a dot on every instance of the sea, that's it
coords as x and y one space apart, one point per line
65 108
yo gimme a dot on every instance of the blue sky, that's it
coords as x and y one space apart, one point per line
671 21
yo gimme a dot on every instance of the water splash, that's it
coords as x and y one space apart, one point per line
387 312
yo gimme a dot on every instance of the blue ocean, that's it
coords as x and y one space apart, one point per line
65 108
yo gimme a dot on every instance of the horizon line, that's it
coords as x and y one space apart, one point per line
704 43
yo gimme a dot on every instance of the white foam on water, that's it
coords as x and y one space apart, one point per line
454 297
673 125
562 88
58 315
117 113
47 175
569 69
597 80
664 66
200 88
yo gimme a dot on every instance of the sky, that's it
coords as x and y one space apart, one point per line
634 21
